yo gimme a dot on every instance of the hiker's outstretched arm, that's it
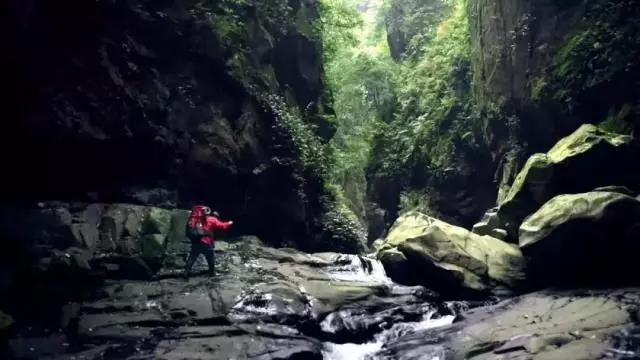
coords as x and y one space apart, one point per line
216 223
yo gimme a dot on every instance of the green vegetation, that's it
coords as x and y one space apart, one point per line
232 20
607 45
359 75
337 26
434 95
604 47
239 25
244 28
302 140
394 117
412 23
341 228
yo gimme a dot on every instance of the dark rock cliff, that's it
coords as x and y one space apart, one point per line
550 66
165 103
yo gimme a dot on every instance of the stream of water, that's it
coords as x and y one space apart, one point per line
361 269
352 351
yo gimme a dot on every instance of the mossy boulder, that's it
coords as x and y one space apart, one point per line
587 159
152 248
583 239
341 231
156 221
5 321
178 225
454 260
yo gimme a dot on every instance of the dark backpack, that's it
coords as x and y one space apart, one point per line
195 232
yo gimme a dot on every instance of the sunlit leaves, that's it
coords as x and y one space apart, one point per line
338 25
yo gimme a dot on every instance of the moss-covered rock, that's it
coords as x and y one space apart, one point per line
96 237
617 189
583 239
5 321
156 221
452 259
341 231
178 225
582 161
152 248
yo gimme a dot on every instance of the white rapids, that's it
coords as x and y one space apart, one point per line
352 351
358 269
362 269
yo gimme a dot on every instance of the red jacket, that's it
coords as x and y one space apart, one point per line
213 223
209 223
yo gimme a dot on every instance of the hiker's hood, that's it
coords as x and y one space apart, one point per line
198 210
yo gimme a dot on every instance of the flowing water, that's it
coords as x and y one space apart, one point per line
358 269
352 351
362 269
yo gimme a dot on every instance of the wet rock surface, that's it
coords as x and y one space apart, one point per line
263 303
268 303
545 325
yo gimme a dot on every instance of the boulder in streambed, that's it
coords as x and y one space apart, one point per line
451 259
583 239
587 159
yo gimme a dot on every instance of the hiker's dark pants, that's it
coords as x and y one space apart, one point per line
198 248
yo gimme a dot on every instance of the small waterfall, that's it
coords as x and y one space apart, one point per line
358 269
355 268
352 351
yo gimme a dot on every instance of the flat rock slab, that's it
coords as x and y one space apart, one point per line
544 325
264 303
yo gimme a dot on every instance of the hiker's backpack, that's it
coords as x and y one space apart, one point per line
194 229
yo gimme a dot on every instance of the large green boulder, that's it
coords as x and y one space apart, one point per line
151 249
583 239
454 260
178 225
587 159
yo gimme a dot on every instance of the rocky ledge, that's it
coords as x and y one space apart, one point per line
543 325
267 303
263 303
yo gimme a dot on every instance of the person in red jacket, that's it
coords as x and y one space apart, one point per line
204 244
